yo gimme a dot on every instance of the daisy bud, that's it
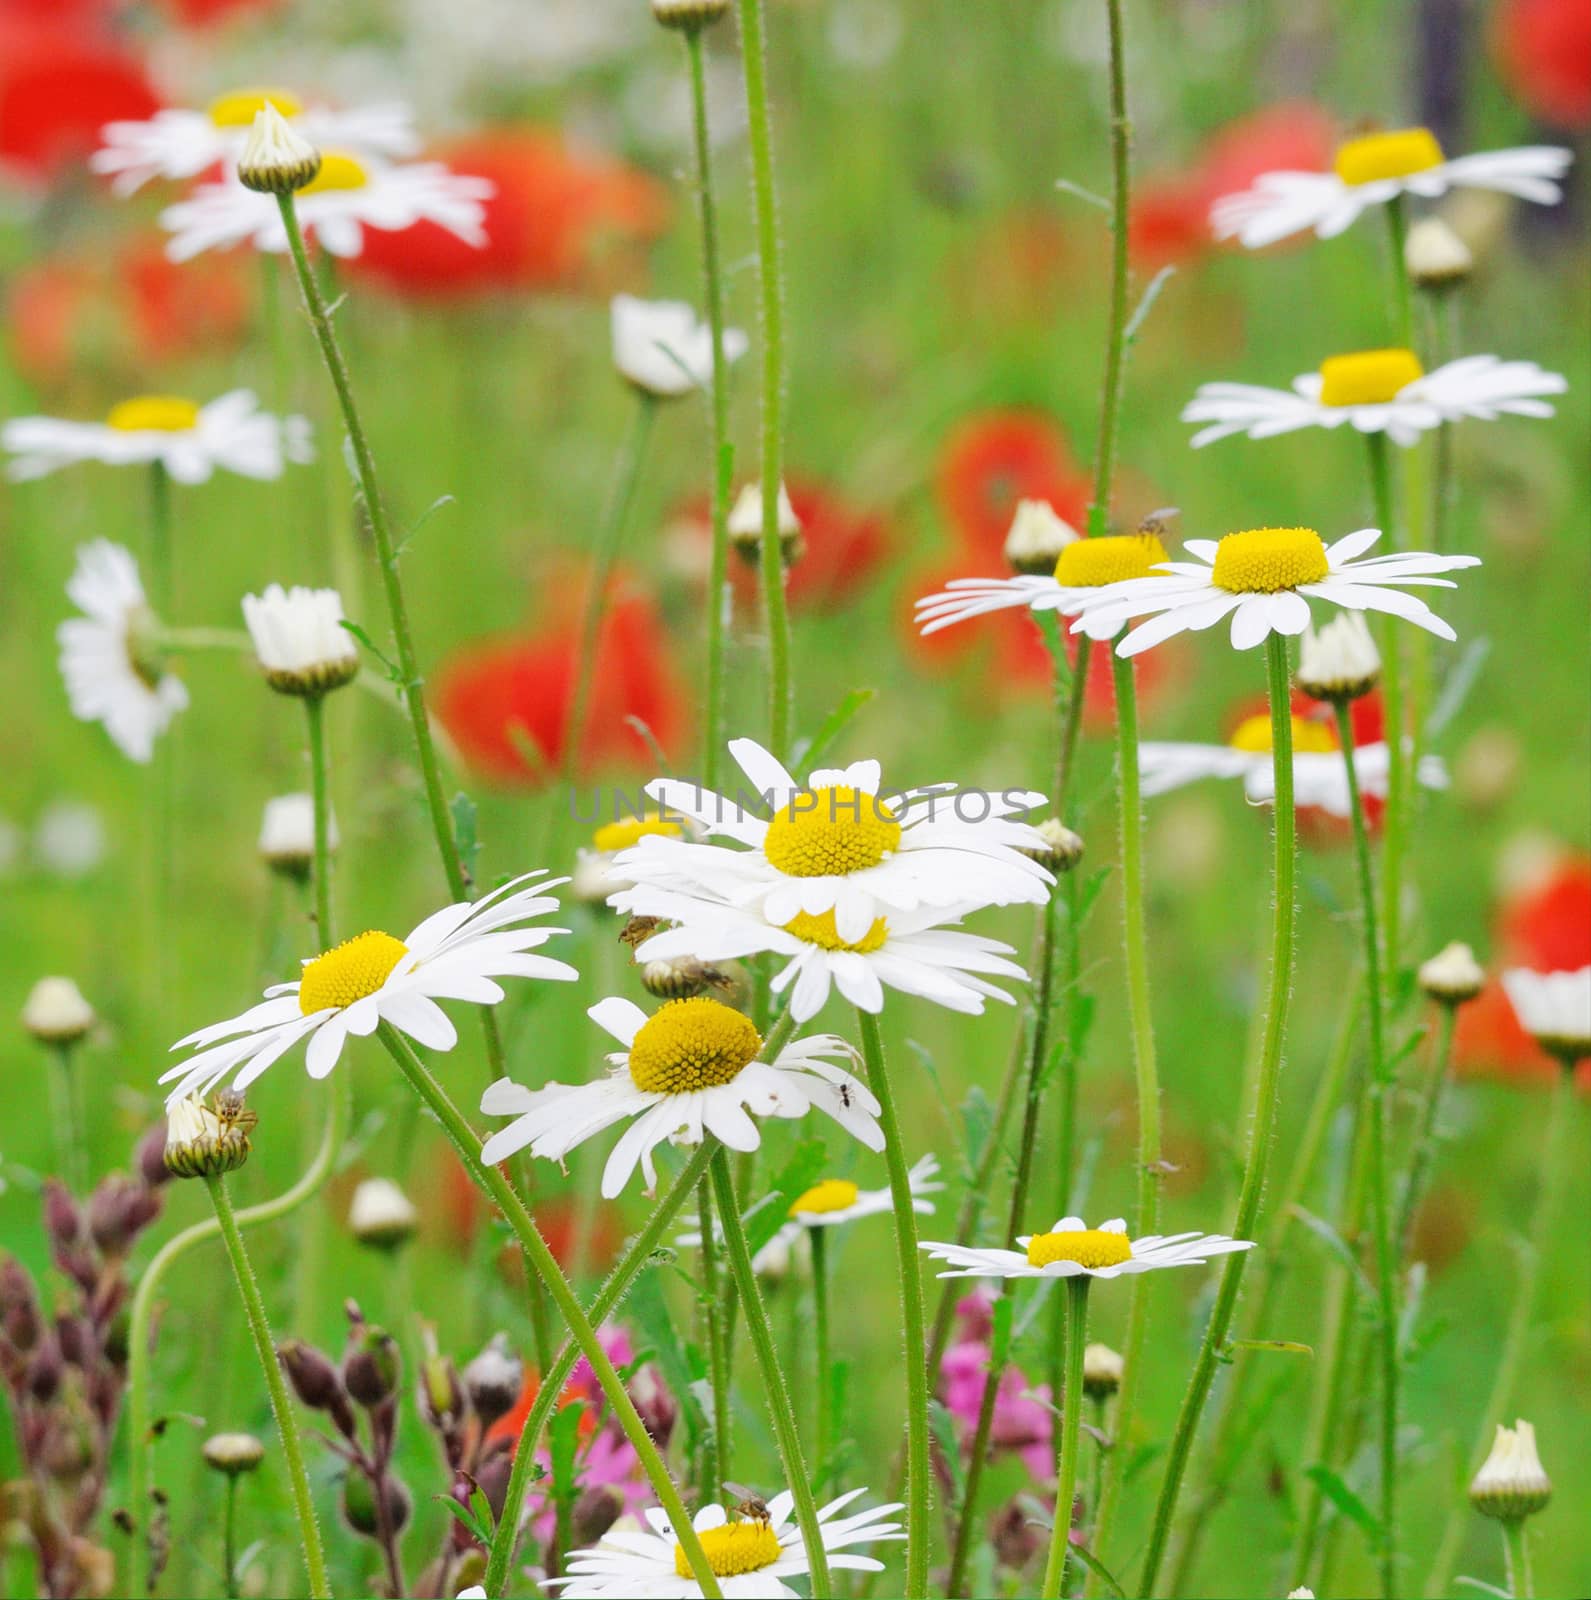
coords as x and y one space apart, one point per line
1036 539
56 1012
233 1454
688 16
1554 1008
381 1215
203 1141
1452 975
287 835
1341 661
276 159
745 527
1300 1594
1062 849
299 639
663 349
1102 1371
493 1380
1436 257
1511 1484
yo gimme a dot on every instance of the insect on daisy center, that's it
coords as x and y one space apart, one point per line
732 1549
1254 735
239 108
1268 560
692 1044
154 413
824 832
1092 1247
832 1194
1092 563
1387 155
1367 377
626 831
348 972
338 170
819 928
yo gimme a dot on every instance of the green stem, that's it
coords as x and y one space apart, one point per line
717 1466
65 1114
1395 817
1380 1182
823 1442
778 1394
770 279
911 1290
1402 289
719 462
1422 1153
1212 1348
229 1545
1070 1401
315 717
540 1259
160 564
1516 1550
270 1368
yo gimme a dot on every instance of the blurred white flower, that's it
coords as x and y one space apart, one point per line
1435 255
69 838
1340 660
1037 538
1554 1008
299 640
287 833
1452 975
381 1215
661 347
55 1011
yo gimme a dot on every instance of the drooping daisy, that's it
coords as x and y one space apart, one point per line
189 440
839 846
1554 1008
181 144
1376 391
1264 579
1071 1248
1373 170
663 349
454 954
692 1068
750 1558
112 674
916 952
346 197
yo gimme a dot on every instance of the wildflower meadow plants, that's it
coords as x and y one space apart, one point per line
667 1206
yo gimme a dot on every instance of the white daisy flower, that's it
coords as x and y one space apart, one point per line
1376 391
299 639
1264 579
345 197
1072 1247
1373 170
690 1069
662 348
112 675
372 978
182 144
1554 1008
750 1558
594 878
189 440
838 845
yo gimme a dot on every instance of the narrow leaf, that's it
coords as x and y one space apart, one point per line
809 752
1334 1487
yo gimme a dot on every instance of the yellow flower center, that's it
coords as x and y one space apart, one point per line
338 170
819 928
832 1194
239 108
1092 563
830 831
622 834
1267 560
154 413
732 1549
1387 155
692 1044
1093 1247
1367 377
355 968
1254 734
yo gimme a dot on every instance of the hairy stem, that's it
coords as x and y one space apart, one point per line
1069 1423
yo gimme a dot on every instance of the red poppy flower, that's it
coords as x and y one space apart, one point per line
556 221
1169 222
206 13
1543 51
1293 136
495 698
993 460
512 1423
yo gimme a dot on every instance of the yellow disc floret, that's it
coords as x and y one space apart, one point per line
239 108
355 968
1367 377
1091 1247
1387 155
1092 563
338 170
832 1194
154 413
626 831
819 928
1268 560
830 831
692 1044
733 1548
1254 734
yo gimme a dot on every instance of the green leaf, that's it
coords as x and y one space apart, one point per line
389 667
809 752
1146 305
1335 1489
1286 1347
563 1446
1000 1342
648 738
977 1119
1339 1247
942 1425
1481 1586
479 1530
1099 1569
466 838
421 520
647 1309
798 1174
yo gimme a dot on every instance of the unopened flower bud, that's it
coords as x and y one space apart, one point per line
315 1381
276 159
1102 1370
1452 975
20 1320
594 1513
745 527
118 1211
1436 257
1062 849
372 1365
655 1404
62 1219
1511 1484
1301 1594
55 1012
287 835
381 1215
359 1505
1036 539
441 1396
233 1453
44 1371
688 16
493 1380
149 1157
203 1141
299 640
1341 661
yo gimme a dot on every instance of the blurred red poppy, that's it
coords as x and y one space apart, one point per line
206 13
993 460
1543 51
560 219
